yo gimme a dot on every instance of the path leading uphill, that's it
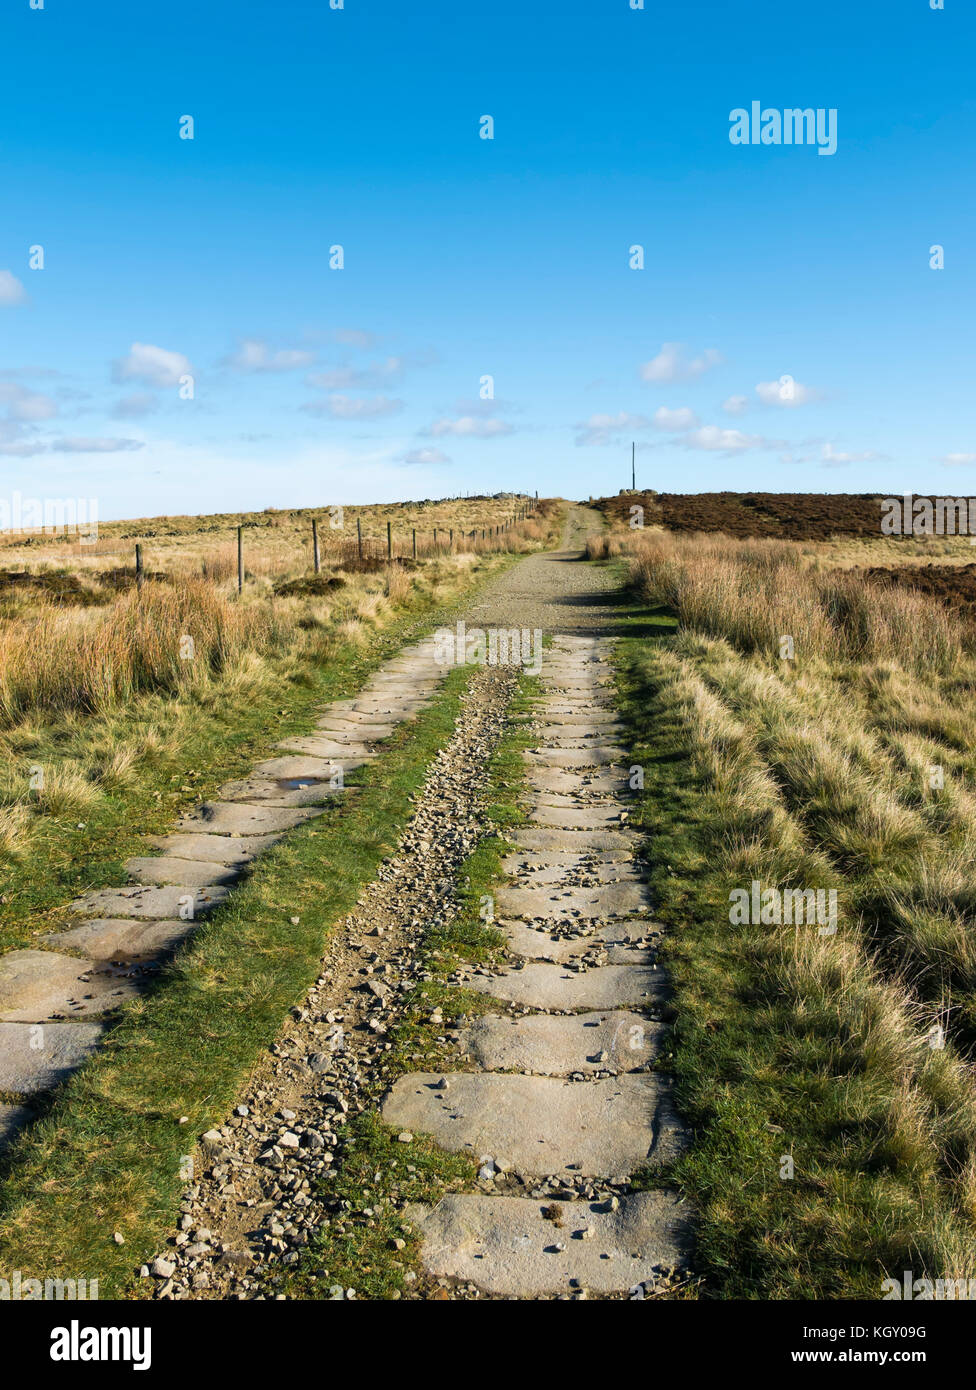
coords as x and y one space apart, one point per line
554 1091
556 1085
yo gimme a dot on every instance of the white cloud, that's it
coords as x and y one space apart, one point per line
958 460
254 355
354 407
23 448
26 405
467 425
95 446
671 364
11 290
602 429
675 420
830 458
422 456
736 405
714 439
786 392
33 405
362 378
154 366
355 337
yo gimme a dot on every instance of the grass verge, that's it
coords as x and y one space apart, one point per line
832 1145
191 744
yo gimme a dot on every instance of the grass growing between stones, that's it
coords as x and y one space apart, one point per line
832 1145
107 1156
369 1247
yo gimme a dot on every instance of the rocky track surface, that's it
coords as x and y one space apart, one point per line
554 1091
562 1097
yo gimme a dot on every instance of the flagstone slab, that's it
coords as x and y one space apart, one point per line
540 1125
218 849
306 769
607 900
618 940
142 901
36 1056
591 719
553 1045
328 746
122 938
194 873
542 986
271 791
240 818
583 687
582 740
599 755
560 780
535 872
507 1246
354 722
571 840
574 707
372 731
581 794
36 986
590 816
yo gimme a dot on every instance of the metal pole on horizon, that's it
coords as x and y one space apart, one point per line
633 467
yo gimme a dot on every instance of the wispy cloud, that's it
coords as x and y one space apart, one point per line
469 425
602 429
735 405
342 407
673 364
684 418
26 405
138 404
95 446
254 355
361 378
786 393
424 456
714 439
154 366
355 337
958 460
11 290
833 458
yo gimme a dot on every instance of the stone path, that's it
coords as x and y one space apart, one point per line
54 1002
555 1091
562 1088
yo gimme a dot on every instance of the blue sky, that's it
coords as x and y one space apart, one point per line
464 257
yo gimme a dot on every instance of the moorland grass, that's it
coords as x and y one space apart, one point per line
848 1055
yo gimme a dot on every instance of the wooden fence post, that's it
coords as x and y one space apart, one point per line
240 559
415 542
359 536
389 540
315 546
139 565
